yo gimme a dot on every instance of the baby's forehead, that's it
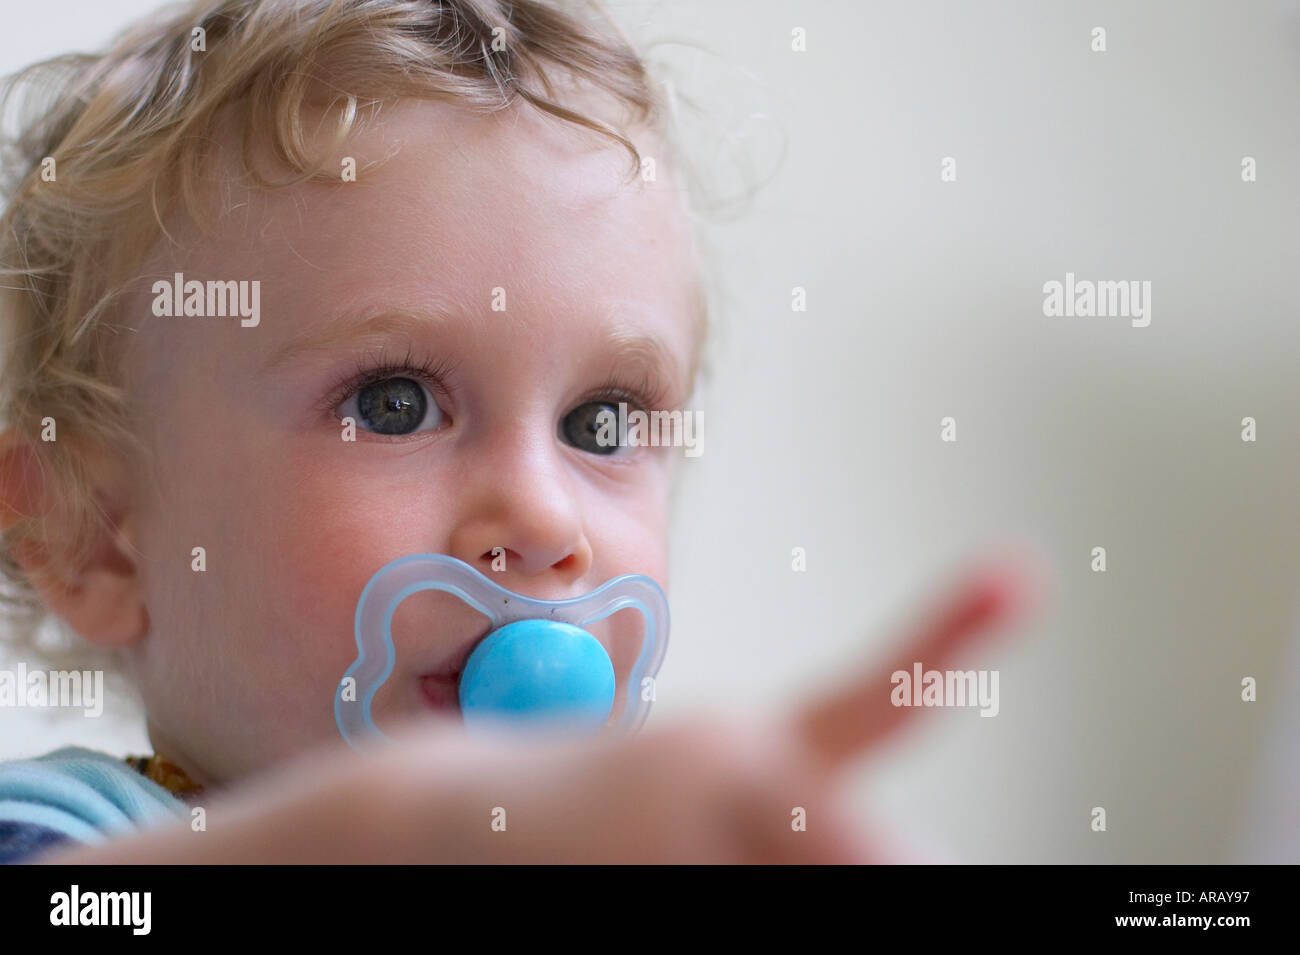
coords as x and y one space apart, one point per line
439 170
423 149
436 205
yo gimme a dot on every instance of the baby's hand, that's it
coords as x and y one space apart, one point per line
720 788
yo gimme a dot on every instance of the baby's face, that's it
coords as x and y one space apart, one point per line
472 423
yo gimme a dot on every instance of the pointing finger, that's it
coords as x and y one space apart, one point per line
844 723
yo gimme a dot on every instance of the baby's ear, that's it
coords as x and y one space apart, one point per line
99 594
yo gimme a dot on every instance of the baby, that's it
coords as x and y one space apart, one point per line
448 235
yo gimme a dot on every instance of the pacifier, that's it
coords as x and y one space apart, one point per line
539 666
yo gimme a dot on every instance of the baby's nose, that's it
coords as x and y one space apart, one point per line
523 517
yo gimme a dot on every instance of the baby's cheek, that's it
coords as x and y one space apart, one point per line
323 553
340 523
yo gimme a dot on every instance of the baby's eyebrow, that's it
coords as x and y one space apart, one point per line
632 349
328 335
623 344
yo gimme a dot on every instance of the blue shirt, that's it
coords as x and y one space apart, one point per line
76 794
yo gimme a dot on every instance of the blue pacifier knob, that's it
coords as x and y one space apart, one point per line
538 672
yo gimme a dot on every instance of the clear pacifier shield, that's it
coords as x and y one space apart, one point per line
499 687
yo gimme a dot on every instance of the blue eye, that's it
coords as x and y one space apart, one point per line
393 406
581 427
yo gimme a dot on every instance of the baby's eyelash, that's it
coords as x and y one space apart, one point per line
645 394
371 368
